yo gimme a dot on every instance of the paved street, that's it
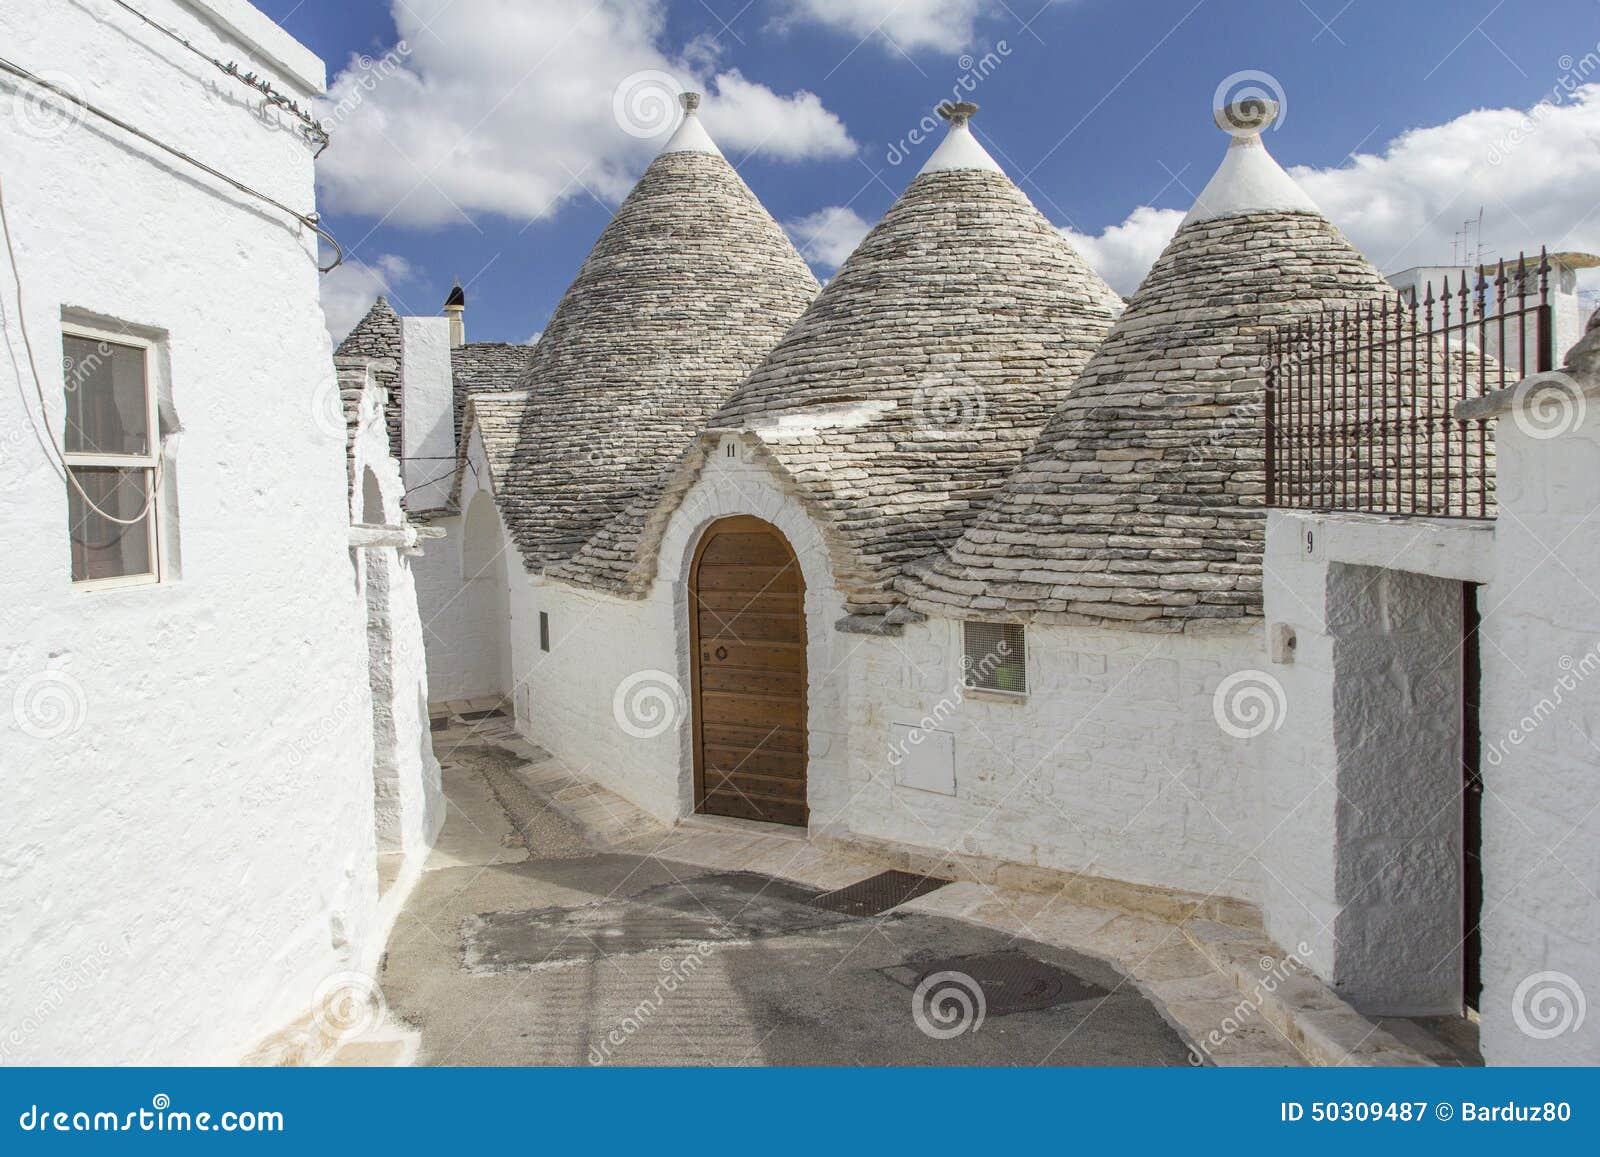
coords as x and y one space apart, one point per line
522 944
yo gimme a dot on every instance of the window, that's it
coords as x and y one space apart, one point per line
544 631
112 448
995 657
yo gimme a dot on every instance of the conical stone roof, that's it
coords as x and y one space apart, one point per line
906 393
688 286
376 337
1142 501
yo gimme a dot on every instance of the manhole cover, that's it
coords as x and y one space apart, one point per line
878 893
1010 981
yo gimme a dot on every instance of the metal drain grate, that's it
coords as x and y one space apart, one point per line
1011 981
475 716
878 893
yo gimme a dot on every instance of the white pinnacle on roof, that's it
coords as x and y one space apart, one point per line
691 136
1248 180
959 149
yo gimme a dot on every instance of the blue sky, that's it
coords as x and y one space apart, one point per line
1097 107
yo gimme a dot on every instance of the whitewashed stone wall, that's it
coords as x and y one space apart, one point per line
186 847
427 411
408 794
1114 764
465 612
1541 736
614 663
1361 787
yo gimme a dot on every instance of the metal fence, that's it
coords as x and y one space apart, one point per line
1360 400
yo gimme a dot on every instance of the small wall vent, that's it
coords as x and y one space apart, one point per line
995 657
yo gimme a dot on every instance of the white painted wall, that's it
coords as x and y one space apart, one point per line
463 584
1541 738
427 431
186 849
409 796
1114 765
1360 790
1367 807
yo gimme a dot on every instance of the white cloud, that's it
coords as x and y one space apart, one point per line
744 116
1124 253
349 291
507 107
825 238
907 24
1533 173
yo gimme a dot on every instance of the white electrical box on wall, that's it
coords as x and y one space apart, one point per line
926 759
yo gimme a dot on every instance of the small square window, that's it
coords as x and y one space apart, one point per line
995 657
111 444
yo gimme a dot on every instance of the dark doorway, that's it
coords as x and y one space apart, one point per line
1471 801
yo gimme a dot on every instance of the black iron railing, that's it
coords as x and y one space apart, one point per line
1360 400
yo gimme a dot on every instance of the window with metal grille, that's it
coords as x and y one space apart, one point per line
995 657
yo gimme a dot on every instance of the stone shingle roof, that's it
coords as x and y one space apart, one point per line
485 367
376 338
905 394
1142 500
686 289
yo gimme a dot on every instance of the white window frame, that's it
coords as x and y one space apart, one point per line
149 462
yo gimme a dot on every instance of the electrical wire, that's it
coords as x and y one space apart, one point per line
313 127
38 385
310 220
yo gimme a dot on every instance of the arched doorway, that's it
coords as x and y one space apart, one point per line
747 635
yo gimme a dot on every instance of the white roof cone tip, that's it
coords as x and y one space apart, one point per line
691 136
959 149
1248 180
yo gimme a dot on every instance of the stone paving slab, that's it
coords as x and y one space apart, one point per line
1203 976
1306 1012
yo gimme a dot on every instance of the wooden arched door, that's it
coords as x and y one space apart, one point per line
747 634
